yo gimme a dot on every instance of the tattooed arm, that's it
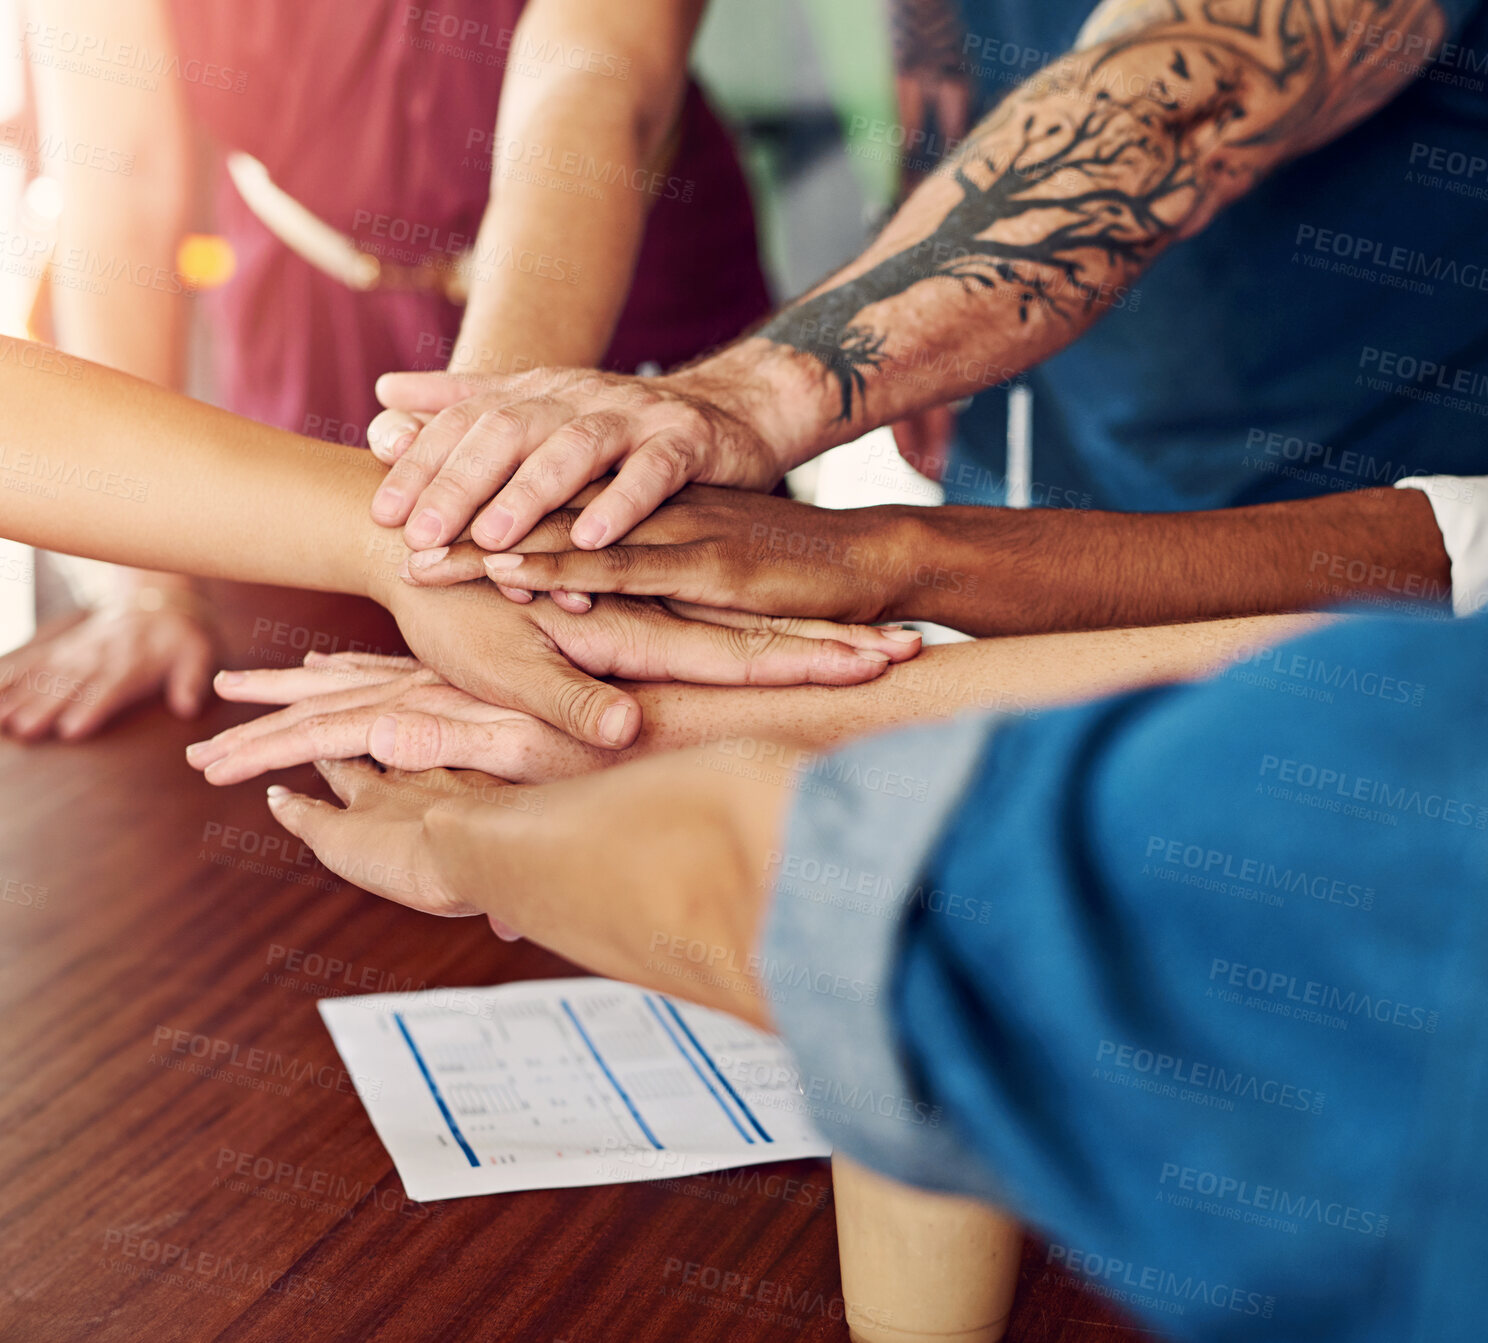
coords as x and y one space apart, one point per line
1166 111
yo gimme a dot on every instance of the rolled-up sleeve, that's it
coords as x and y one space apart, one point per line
862 829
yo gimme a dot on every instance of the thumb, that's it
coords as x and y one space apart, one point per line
390 433
187 680
307 819
424 391
591 711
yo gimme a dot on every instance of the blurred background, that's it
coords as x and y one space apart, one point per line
798 101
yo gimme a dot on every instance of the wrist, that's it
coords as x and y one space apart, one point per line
778 394
936 567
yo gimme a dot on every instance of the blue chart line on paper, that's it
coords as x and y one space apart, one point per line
552 1083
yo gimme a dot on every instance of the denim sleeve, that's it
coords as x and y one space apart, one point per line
1189 980
861 830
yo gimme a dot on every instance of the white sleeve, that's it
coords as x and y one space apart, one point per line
1461 507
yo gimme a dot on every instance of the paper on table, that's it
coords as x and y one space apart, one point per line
559 1082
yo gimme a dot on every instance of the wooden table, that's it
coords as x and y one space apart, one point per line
148 1198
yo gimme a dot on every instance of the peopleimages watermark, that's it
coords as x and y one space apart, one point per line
1306 999
217 1054
1281 666
1426 379
454 34
1263 1205
861 891
1258 874
21 144
1158 1290
695 959
825 1100
760 1299
24 894
1451 170
278 1181
1210 1084
224 1275
130 64
1390 263
1340 790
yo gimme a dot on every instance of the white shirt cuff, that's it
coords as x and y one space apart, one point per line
1461 507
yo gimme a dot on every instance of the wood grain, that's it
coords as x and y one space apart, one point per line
140 902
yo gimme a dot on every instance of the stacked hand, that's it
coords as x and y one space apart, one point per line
543 660
717 548
518 687
499 456
397 711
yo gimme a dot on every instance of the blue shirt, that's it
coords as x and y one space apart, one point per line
1194 981
1329 331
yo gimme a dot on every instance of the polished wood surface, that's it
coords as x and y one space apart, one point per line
182 1157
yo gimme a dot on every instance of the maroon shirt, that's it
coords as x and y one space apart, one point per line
378 117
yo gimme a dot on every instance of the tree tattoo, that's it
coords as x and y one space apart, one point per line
1165 112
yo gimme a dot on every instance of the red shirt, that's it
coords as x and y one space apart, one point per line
378 117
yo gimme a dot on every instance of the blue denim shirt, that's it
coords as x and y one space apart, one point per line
1328 331
1194 981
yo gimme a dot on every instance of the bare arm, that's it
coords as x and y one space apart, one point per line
991 570
116 297
406 718
574 156
1163 114
103 465
1015 675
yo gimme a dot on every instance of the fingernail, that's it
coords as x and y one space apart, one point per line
315 659
276 791
405 573
400 446
427 559
382 741
387 502
490 528
582 599
614 726
500 564
900 635
424 529
871 655
198 751
231 678
589 533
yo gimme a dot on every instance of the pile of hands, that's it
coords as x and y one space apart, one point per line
555 552
551 563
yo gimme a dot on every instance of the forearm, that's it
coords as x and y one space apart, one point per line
96 463
574 158
605 870
118 298
1083 175
1024 571
1013 675
564 312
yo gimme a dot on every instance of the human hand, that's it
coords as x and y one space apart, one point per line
591 868
543 660
75 676
385 839
507 451
720 548
924 440
402 714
